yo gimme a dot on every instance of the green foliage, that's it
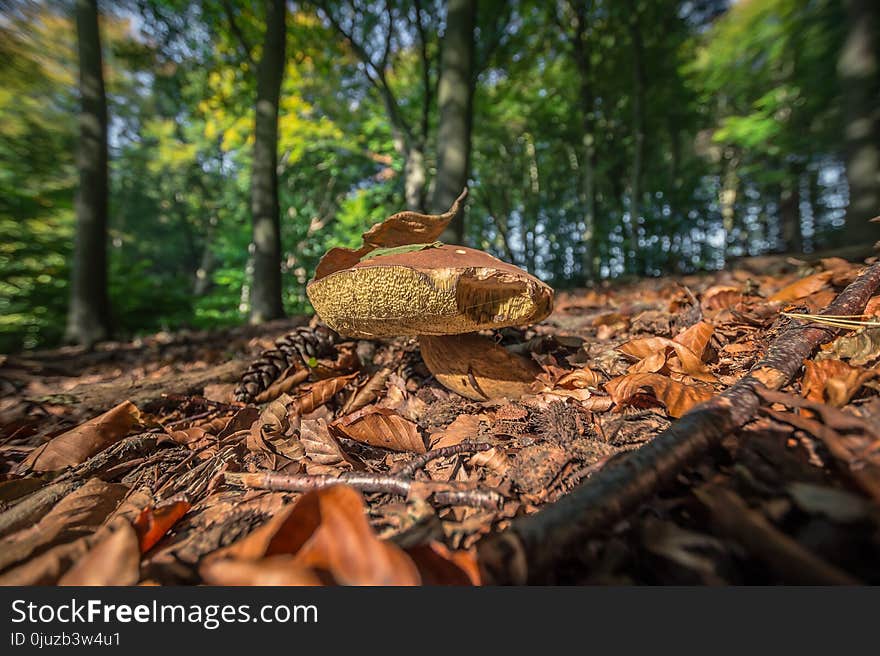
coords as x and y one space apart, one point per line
749 100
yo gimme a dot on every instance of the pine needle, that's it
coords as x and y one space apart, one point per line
848 321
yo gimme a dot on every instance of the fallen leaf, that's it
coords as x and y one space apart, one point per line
801 288
77 514
381 427
274 570
322 391
687 361
320 446
327 531
114 560
721 297
677 397
154 522
440 566
464 427
696 338
859 348
833 381
80 443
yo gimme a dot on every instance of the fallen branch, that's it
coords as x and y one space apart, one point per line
533 544
447 493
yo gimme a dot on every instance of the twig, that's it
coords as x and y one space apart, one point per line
442 492
409 468
533 544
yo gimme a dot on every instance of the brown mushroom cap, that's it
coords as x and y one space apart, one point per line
435 290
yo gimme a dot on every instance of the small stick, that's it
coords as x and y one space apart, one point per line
409 468
443 492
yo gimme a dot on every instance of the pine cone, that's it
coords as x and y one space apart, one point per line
297 348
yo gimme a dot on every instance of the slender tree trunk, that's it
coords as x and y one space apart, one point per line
588 138
638 130
455 101
88 319
415 178
790 214
859 71
265 297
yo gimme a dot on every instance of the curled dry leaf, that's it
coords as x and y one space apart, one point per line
696 338
440 566
114 560
322 391
381 427
802 288
154 522
833 381
276 429
369 391
677 397
328 533
859 348
321 447
685 360
80 443
721 297
494 459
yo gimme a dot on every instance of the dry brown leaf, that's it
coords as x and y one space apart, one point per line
859 348
464 427
721 297
381 427
581 378
328 532
696 337
114 560
274 570
153 523
677 397
801 288
79 513
80 443
322 391
687 361
275 431
321 447
833 381
369 391
440 566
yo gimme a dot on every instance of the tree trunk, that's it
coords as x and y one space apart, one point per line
588 137
859 72
265 295
638 129
415 179
790 215
88 318
455 100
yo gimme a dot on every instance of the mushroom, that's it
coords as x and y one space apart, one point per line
403 282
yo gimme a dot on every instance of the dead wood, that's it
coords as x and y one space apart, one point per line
532 545
441 492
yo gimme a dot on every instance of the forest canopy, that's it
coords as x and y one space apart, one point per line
598 139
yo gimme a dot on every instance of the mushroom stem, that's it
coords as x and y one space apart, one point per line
476 367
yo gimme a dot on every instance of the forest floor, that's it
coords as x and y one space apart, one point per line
134 463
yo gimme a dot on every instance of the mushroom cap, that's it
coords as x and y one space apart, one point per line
431 289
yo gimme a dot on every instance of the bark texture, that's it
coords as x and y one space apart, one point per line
859 69
455 100
265 296
88 318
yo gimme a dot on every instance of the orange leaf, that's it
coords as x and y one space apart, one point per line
801 288
696 338
381 427
274 570
464 427
80 443
688 361
833 381
114 560
153 523
677 397
440 566
327 530
720 297
322 391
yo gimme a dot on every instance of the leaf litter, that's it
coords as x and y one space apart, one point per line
364 470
